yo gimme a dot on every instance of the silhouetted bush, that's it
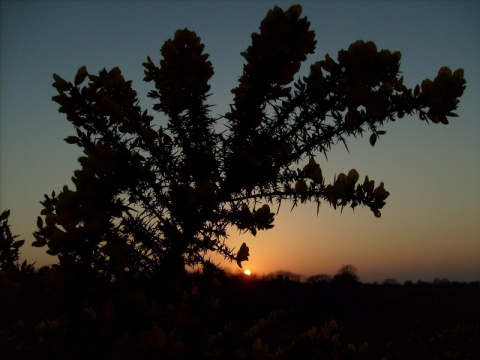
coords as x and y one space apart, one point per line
153 198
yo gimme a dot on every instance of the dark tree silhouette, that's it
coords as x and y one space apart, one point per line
320 278
162 193
347 275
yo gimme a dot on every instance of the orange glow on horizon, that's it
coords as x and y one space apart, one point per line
247 272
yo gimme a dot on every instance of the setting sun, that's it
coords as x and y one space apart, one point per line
247 272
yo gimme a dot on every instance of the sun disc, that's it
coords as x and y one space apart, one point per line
247 272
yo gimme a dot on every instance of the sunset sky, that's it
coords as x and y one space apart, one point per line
430 226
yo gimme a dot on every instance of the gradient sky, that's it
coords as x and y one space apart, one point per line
430 226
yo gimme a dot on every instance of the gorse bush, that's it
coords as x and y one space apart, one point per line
9 247
162 193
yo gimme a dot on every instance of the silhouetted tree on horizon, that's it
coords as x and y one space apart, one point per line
346 275
319 278
151 196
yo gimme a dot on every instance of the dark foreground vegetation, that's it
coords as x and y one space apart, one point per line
50 314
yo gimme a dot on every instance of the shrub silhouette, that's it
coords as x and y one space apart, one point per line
150 196
10 248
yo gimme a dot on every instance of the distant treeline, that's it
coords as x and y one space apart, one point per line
348 274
